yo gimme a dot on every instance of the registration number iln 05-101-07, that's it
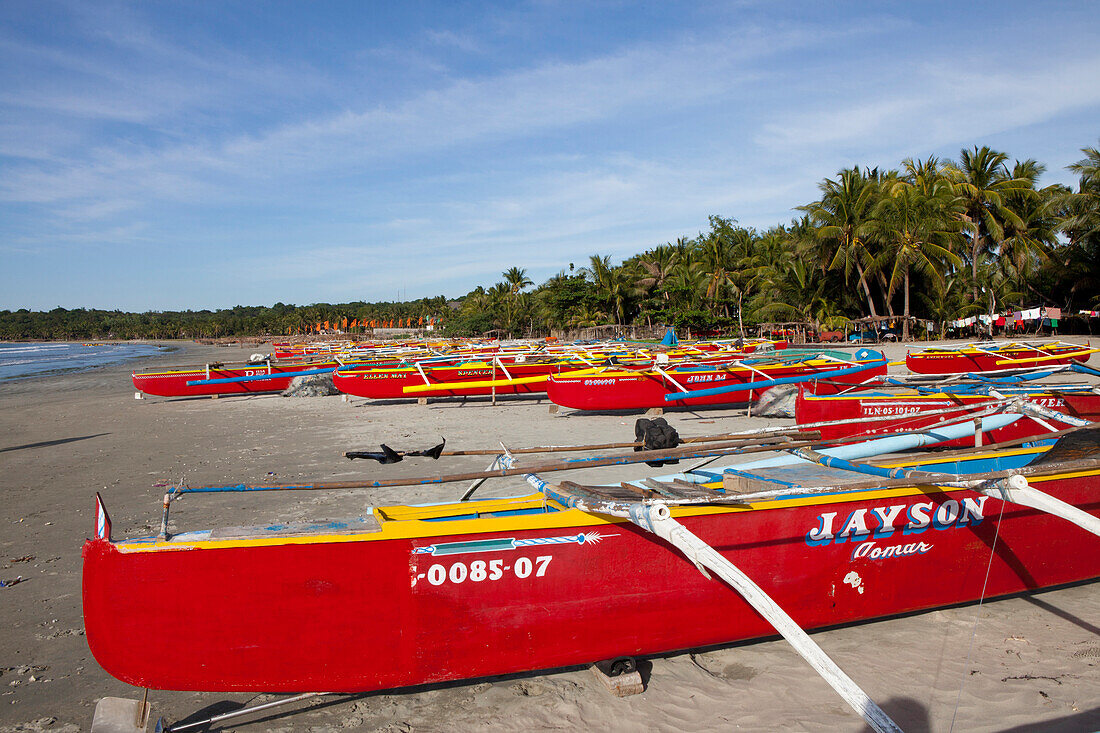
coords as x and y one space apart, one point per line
479 571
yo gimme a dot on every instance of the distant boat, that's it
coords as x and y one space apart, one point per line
880 412
257 377
692 385
994 357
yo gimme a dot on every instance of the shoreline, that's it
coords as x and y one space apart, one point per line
1035 663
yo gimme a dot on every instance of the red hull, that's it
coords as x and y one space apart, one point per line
933 361
353 614
174 383
391 383
643 390
908 412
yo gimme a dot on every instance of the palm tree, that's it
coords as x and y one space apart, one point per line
1027 246
1083 221
718 269
613 284
841 218
1081 260
657 265
983 183
584 317
918 232
516 279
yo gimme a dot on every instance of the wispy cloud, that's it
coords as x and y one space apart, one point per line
940 104
448 38
436 157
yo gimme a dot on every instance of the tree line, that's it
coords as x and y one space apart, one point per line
932 239
278 320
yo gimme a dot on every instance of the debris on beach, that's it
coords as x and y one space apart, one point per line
777 401
313 385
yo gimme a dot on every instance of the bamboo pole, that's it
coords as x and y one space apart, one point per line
725 448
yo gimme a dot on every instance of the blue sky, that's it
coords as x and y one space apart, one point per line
171 155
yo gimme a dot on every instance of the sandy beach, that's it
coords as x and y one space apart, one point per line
1019 664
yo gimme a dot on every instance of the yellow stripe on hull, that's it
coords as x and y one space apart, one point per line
487 383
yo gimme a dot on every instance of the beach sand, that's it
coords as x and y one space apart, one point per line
1020 664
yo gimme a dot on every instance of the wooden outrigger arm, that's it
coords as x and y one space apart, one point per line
1013 488
657 519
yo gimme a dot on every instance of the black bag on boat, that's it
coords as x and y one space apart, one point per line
655 434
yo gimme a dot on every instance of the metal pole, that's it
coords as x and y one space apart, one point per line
244 711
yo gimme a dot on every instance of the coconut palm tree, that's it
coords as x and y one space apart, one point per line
657 265
982 182
840 218
918 232
1080 262
613 285
1083 207
516 279
1029 245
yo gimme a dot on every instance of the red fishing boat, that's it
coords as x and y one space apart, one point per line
639 389
408 595
462 379
870 413
995 357
503 374
219 379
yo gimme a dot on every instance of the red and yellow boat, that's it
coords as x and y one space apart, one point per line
875 412
640 389
257 377
995 357
409 595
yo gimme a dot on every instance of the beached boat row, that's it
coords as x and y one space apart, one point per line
991 487
606 376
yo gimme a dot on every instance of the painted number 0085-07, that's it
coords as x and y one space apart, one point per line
480 570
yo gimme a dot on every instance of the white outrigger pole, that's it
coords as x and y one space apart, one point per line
657 518
1014 488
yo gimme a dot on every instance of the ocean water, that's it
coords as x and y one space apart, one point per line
25 360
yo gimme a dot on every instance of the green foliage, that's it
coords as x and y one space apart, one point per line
933 239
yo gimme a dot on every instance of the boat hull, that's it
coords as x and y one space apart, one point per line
646 389
864 413
948 361
391 383
174 383
352 613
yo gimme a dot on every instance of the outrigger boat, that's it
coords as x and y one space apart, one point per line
693 385
409 595
866 413
461 379
518 373
254 377
995 356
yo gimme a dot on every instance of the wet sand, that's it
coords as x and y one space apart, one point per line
1026 663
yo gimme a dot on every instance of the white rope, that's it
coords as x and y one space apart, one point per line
977 617
661 523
